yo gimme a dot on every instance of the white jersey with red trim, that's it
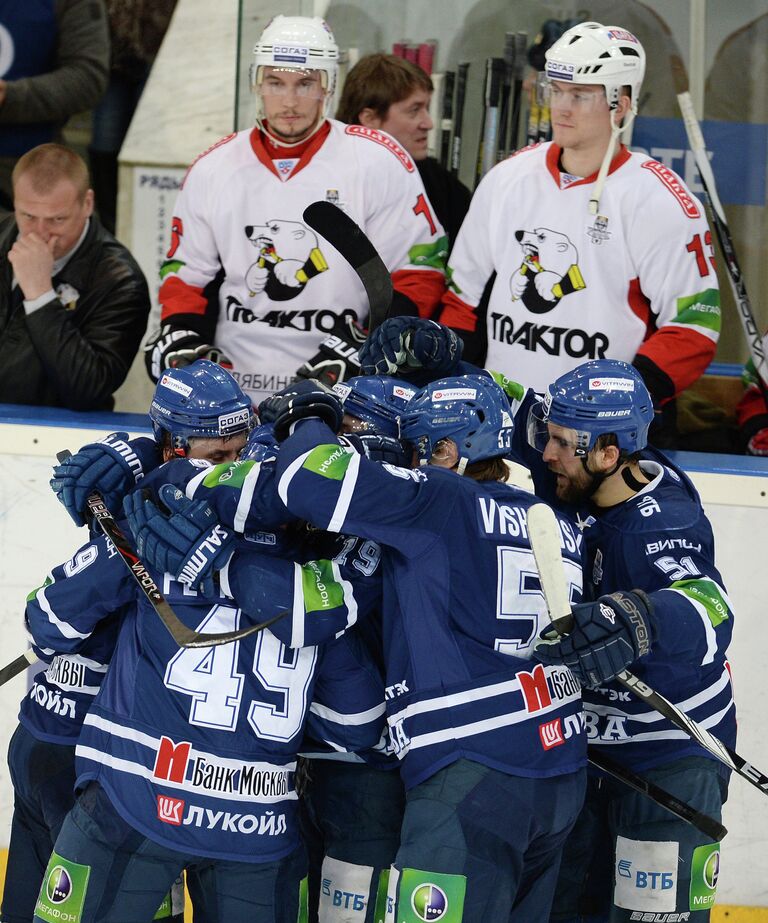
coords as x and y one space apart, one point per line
284 287
571 286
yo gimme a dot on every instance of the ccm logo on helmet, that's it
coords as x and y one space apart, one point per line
233 422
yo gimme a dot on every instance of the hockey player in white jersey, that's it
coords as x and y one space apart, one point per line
240 213
598 252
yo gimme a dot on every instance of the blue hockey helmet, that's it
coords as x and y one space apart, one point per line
377 400
472 410
199 400
597 397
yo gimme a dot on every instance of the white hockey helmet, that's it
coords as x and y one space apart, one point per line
607 56
301 43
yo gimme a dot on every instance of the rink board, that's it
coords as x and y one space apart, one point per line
36 533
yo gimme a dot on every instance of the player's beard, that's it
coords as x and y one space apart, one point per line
576 488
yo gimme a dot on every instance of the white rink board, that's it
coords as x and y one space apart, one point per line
36 533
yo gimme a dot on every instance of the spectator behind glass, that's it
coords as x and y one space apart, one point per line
55 55
390 93
136 30
73 301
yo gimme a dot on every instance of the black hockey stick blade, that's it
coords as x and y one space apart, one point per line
181 634
708 825
330 222
19 665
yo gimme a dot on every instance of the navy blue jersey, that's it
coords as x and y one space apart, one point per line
196 748
54 708
660 541
462 607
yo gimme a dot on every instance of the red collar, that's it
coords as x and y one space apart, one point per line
553 165
267 151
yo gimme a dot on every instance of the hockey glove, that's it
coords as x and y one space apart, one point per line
607 636
403 343
112 466
298 401
167 348
337 358
385 449
758 444
187 541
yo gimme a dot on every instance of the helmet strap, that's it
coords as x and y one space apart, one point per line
597 477
616 131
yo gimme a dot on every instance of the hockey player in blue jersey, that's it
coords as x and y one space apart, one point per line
186 408
491 745
351 809
643 526
186 758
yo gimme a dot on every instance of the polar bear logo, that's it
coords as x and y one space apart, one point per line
549 270
288 258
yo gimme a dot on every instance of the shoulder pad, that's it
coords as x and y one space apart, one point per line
385 140
219 143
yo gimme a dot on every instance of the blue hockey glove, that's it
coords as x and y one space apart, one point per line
187 541
607 636
112 466
298 401
380 448
403 343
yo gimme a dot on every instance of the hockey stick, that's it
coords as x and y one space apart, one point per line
735 276
494 78
341 232
17 666
181 634
446 119
483 120
544 535
521 45
506 94
458 124
708 825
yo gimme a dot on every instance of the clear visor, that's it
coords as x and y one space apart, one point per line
541 433
285 81
352 424
580 97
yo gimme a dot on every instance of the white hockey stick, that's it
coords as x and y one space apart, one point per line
735 276
544 536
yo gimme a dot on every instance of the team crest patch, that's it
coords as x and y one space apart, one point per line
599 230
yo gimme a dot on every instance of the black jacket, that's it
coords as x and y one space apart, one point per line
449 197
73 356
